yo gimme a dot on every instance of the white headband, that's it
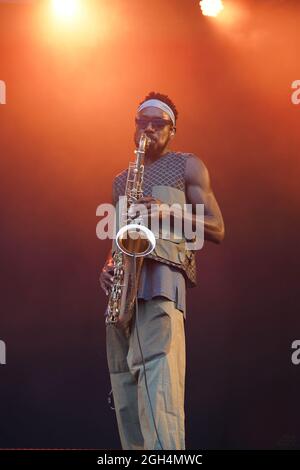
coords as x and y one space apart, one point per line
158 104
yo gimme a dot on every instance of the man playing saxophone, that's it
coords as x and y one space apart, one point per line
147 360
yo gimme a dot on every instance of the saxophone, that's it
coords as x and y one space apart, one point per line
133 242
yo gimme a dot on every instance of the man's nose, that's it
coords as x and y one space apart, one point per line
149 126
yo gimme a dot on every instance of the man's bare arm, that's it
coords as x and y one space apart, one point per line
106 275
199 191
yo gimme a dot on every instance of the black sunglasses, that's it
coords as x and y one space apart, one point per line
157 123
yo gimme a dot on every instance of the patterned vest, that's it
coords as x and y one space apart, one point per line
164 179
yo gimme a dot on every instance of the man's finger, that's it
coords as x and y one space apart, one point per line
145 199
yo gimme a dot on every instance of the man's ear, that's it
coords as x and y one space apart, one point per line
173 132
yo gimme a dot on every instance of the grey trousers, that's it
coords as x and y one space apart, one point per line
162 339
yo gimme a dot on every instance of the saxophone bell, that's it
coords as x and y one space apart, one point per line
135 240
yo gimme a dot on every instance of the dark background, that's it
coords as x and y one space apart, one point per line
66 130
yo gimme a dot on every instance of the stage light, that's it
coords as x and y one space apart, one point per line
211 7
66 9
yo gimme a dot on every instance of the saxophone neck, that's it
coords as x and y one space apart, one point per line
141 150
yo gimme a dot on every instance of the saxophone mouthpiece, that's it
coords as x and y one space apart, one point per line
144 143
148 141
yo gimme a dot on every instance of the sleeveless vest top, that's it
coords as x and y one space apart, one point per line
165 179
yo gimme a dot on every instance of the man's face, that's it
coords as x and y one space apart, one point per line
149 121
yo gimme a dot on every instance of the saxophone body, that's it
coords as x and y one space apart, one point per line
134 241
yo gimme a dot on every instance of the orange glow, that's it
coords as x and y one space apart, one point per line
232 19
66 9
84 23
211 7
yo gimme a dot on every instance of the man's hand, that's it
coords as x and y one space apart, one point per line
106 276
149 201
